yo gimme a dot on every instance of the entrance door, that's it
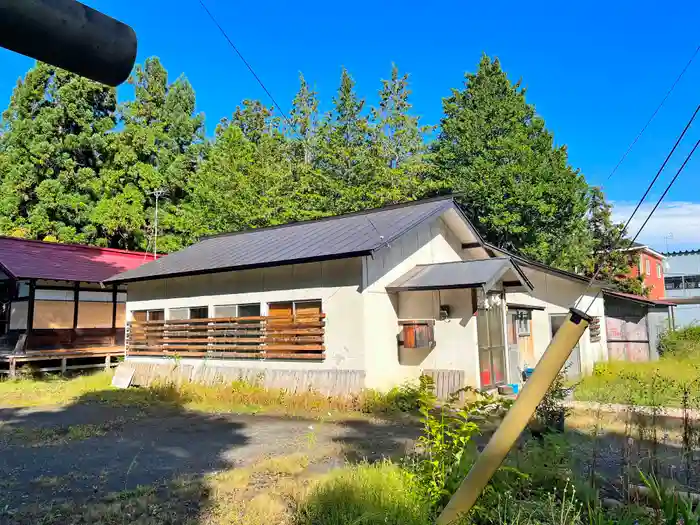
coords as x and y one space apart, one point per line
573 364
492 350
521 348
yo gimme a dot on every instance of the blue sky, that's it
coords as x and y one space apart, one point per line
594 70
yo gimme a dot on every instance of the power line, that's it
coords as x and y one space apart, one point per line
658 202
639 204
250 68
653 115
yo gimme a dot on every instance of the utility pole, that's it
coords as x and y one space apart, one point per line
160 192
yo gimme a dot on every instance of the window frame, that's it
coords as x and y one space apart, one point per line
294 303
658 270
647 266
237 306
189 312
522 323
148 313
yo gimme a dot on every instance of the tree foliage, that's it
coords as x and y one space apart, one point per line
75 166
514 183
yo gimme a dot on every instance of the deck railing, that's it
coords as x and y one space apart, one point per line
296 337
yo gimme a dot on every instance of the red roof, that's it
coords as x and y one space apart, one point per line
27 259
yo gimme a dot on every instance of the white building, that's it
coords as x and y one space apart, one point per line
367 299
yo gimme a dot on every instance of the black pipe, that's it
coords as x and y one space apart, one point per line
70 35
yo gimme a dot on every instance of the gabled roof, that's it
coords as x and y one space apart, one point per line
638 298
342 236
638 246
29 259
526 261
459 274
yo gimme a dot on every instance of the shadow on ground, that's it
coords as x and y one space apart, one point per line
78 454
115 456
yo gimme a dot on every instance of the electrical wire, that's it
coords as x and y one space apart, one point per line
658 202
639 204
250 68
653 115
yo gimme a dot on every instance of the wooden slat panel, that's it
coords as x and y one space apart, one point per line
272 337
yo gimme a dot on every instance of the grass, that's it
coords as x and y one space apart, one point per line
237 396
672 381
381 493
655 383
52 390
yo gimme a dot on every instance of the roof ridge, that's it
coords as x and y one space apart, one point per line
332 217
74 246
682 252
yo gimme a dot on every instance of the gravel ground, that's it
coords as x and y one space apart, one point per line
84 451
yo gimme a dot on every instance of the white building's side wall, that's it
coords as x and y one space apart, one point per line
556 295
455 338
336 283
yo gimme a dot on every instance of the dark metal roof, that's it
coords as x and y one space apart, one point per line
526 261
350 235
638 298
459 274
518 306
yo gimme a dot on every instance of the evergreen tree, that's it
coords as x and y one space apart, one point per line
159 148
514 183
54 146
305 121
398 134
345 137
610 257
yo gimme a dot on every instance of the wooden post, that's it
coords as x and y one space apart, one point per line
108 362
13 368
76 302
30 309
114 315
64 362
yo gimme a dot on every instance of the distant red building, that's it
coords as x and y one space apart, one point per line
651 266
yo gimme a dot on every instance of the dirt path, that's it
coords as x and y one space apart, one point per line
81 452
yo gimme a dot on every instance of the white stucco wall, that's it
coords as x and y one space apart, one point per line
336 283
557 295
456 348
456 342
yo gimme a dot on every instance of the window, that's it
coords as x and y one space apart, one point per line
522 319
290 308
647 266
194 312
682 282
148 315
237 310
658 270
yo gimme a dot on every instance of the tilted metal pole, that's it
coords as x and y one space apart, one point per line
517 418
70 35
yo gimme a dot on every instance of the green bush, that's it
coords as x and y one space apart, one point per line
404 398
683 343
366 494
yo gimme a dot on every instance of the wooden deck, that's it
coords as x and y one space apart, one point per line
60 360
